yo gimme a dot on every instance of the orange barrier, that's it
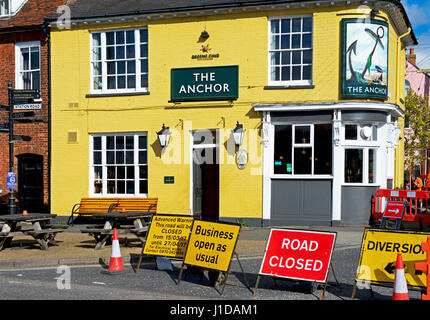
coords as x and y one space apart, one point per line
425 267
417 207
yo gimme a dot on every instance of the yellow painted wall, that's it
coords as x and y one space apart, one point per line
240 39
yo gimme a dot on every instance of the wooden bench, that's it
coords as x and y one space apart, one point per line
89 206
44 236
101 235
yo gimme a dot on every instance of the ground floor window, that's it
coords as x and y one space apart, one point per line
303 149
360 165
119 164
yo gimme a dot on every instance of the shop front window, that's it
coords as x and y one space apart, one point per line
360 165
303 149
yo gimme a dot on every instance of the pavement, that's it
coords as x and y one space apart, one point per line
75 248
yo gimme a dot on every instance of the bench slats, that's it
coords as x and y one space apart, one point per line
90 206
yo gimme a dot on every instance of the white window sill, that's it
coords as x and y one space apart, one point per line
116 94
308 177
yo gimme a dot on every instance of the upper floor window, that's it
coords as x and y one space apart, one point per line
4 8
27 65
290 50
119 60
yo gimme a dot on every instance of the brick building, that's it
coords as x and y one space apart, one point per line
24 61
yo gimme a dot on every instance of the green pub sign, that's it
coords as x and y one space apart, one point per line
208 83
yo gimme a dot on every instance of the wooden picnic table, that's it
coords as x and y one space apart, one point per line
40 229
121 221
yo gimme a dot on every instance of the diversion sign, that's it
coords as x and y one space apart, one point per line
379 251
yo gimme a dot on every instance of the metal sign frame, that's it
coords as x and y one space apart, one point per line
228 269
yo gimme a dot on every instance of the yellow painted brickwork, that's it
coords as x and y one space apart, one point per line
240 39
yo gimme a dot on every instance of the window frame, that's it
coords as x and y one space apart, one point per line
105 165
137 59
19 83
294 145
365 167
269 50
8 8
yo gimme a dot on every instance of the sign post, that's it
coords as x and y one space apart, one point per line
299 255
16 97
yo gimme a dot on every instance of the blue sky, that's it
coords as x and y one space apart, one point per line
419 16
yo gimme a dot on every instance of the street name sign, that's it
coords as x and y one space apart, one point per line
25 96
28 106
298 254
168 236
21 138
20 115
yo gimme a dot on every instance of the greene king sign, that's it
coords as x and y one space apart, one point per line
210 83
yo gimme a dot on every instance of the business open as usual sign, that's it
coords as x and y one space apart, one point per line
207 83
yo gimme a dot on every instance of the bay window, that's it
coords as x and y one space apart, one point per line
303 149
360 165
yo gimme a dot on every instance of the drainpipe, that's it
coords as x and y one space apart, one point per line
398 64
397 164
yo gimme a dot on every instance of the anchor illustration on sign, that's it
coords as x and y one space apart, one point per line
357 77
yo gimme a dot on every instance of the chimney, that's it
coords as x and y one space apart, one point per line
412 57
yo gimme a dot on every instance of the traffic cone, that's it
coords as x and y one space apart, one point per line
115 263
400 291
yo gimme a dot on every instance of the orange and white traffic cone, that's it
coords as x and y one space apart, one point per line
400 291
115 263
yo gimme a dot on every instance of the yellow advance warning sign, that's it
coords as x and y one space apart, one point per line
168 236
211 244
379 251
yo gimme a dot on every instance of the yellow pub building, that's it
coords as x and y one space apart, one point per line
258 112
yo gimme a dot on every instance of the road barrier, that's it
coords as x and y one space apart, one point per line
417 208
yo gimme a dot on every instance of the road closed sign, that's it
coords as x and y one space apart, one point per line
379 251
211 244
298 254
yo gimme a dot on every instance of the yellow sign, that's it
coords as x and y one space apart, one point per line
168 236
211 244
379 250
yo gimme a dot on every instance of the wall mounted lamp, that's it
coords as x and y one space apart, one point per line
164 136
238 134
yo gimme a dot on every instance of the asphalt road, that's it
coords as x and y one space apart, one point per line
90 283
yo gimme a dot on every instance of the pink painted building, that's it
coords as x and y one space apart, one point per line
420 83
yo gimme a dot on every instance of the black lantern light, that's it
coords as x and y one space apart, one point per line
164 136
238 134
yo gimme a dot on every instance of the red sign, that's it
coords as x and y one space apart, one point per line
394 209
298 254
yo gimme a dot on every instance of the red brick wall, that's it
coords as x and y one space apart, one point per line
38 131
